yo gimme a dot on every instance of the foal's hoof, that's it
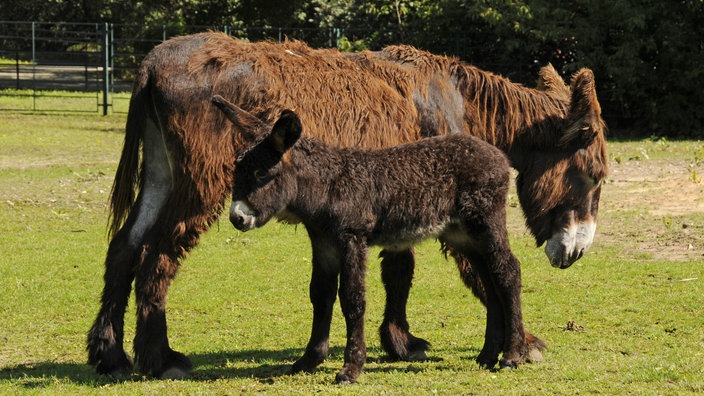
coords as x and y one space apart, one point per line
348 375
344 379
507 365
487 362
306 364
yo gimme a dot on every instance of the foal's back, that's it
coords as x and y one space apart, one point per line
403 194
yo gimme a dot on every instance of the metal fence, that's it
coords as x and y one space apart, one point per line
95 63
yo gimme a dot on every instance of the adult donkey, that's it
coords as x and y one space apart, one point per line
554 138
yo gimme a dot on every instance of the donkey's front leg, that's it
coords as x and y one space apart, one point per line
353 303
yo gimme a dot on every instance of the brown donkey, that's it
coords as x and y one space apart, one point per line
449 187
553 136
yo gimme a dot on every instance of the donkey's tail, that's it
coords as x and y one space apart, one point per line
127 177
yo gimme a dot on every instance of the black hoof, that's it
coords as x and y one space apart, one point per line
176 366
399 344
306 364
116 364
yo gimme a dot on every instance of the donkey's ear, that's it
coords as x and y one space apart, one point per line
251 130
584 114
286 131
549 80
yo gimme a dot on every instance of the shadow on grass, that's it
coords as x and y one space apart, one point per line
262 365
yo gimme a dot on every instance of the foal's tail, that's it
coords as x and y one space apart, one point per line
127 177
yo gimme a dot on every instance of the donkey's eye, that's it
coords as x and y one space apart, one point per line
260 175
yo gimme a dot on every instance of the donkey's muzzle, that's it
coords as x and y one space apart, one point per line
569 245
242 217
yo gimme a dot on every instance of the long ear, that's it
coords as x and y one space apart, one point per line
251 130
286 131
549 80
584 115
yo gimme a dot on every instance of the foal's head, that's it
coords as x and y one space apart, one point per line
263 183
559 181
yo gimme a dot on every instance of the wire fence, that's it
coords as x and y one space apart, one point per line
93 64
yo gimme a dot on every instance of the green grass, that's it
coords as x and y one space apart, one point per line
62 101
239 306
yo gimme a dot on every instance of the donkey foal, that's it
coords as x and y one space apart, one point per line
452 188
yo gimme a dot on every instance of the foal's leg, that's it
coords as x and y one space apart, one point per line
353 303
494 330
323 292
472 280
397 276
500 274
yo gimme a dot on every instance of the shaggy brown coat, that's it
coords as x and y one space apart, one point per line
554 137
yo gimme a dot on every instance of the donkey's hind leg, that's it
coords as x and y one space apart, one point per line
171 241
105 339
397 275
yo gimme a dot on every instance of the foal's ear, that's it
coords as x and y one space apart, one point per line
584 114
286 131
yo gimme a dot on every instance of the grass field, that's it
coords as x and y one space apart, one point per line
626 319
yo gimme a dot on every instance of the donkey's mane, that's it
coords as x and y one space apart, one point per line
499 111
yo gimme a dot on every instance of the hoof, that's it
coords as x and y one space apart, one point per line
534 356
416 356
121 372
399 344
487 362
175 366
119 367
306 364
344 379
175 373
507 365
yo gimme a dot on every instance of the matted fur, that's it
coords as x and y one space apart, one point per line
450 187
554 137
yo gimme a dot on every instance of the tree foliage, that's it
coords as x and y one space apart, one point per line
647 54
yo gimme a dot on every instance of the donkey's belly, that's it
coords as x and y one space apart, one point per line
405 237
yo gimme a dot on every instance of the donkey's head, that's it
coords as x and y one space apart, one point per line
559 182
263 183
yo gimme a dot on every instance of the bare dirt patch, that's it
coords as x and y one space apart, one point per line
654 209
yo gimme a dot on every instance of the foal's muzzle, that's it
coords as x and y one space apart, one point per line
242 217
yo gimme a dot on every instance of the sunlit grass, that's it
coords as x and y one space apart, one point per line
62 101
614 323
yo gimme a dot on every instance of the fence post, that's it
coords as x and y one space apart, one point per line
106 68
17 68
